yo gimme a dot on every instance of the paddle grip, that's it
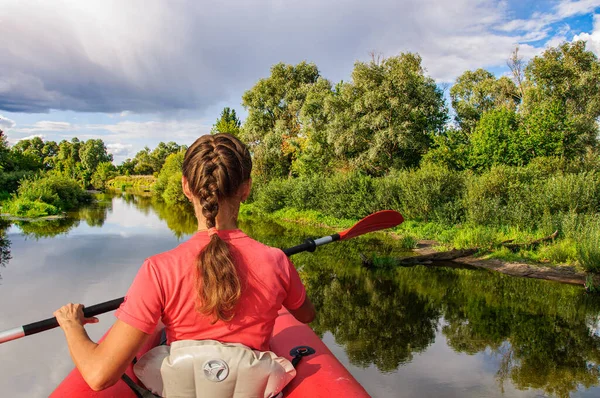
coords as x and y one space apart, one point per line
51 323
308 246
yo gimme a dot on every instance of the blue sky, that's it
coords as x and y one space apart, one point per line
138 72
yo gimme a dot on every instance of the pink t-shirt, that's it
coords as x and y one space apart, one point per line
165 288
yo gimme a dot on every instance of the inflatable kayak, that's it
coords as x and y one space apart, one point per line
318 375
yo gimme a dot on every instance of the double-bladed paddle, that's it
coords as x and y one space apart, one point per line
374 222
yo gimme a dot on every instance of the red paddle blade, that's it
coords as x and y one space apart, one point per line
377 221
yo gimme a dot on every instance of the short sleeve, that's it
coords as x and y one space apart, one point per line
143 303
296 293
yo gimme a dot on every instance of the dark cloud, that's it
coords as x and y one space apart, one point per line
151 56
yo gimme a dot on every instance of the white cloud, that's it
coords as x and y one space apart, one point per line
45 125
592 39
6 123
119 149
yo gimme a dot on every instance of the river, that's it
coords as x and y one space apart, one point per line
408 332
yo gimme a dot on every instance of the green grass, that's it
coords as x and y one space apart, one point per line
141 182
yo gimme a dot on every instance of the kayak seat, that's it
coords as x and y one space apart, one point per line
208 368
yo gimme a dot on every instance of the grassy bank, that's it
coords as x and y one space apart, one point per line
460 209
136 182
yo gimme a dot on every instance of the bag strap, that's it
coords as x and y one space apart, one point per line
138 391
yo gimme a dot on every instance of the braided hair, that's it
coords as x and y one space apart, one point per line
215 167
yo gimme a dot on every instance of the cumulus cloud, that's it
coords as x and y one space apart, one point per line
6 123
46 126
150 56
119 149
592 39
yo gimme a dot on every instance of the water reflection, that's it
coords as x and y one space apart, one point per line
4 244
534 336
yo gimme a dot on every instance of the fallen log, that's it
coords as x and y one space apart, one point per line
515 247
422 259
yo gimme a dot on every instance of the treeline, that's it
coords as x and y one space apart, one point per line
40 178
392 116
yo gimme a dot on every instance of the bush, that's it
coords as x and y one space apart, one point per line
172 166
47 195
30 209
274 195
173 192
9 181
588 248
430 193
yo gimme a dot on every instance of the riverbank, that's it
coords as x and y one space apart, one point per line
570 274
427 238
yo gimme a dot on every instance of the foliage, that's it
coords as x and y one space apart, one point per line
168 182
105 171
273 126
588 248
569 77
47 195
227 123
477 92
140 183
149 162
386 116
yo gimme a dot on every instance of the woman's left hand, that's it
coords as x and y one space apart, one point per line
72 315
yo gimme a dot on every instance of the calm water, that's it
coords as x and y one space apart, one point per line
410 332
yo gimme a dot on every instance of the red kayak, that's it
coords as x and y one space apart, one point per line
318 375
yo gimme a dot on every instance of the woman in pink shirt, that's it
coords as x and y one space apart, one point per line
220 284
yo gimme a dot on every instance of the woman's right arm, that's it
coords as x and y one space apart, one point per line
306 312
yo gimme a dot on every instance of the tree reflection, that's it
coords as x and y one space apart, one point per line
4 243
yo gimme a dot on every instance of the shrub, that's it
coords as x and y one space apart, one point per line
31 209
431 192
588 248
47 195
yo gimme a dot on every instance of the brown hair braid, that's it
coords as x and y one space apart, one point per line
215 167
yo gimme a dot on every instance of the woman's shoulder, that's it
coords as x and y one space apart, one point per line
259 249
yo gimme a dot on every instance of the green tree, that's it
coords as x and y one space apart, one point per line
4 152
476 92
144 164
227 123
92 153
568 77
273 124
495 140
104 172
386 117
161 152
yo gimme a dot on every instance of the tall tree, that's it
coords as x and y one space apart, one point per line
4 151
93 152
476 92
568 76
386 116
227 123
273 123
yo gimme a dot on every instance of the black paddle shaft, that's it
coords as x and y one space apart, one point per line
88 312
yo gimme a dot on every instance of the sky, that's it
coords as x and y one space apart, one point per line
138 72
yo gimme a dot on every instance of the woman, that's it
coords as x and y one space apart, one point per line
219 285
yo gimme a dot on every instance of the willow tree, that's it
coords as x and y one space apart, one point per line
476 92
567 77
273 125
386 116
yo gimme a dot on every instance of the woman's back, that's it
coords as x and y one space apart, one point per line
166 288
